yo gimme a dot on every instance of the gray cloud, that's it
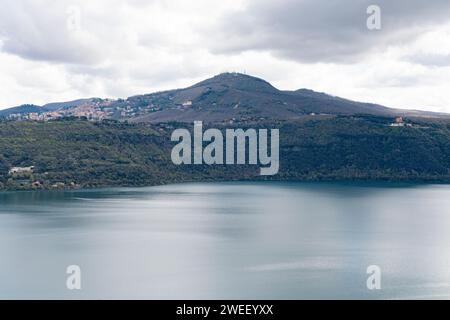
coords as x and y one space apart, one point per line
127 47
324 31
36 32
430 60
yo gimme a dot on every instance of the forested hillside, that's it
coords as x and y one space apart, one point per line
76 153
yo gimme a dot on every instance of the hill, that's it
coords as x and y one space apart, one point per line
225 98
23 109
321 137
237 97
80 153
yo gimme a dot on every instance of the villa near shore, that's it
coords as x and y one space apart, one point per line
21 170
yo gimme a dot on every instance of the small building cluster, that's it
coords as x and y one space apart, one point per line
400 123
21 170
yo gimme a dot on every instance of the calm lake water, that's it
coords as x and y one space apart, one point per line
227 240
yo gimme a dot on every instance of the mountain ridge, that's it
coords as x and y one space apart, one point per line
227 97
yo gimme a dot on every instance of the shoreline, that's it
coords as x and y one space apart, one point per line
341 183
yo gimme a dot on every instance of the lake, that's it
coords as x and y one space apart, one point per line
264 240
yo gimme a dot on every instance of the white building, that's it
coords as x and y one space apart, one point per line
20 170
187 103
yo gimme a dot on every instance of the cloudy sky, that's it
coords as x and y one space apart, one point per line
58 50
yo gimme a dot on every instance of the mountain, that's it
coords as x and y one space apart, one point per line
225 98
31 108
23 109
237 97
322 137
67 105
234 96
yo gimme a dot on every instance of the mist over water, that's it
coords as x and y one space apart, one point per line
227 240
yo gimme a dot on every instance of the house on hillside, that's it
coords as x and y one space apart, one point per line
398 122
21 170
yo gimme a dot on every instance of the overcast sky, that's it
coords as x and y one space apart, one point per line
58 50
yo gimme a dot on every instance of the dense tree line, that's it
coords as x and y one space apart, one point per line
79 153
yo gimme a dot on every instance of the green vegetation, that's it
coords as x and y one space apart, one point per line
78 153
